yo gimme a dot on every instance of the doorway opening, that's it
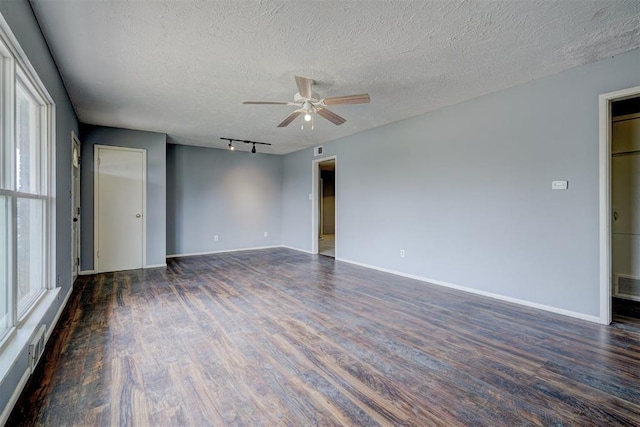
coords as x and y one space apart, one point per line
625 210
619 204
75 207
324 207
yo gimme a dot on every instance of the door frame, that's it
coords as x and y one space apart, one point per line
604 113
315 203
75 192
96 153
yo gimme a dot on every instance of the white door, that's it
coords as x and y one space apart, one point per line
75 207
120 208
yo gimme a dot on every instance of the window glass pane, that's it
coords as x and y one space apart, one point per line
31 250
6 149
27 141
5 248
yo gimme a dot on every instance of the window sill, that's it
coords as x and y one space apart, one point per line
18 339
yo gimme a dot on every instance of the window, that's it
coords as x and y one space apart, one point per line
25 201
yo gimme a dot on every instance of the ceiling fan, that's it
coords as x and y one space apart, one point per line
309 103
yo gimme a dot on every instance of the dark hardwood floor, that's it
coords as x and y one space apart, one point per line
626 313
278 337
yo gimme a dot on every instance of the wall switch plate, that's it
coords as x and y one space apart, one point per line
310 196
266 234
215 237
401 253
559 185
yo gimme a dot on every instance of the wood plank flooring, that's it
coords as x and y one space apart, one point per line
282 338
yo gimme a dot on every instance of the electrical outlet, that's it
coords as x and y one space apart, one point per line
401 253
215 237
266 234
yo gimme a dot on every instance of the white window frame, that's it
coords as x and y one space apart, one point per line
14 65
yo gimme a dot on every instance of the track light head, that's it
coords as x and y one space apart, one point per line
231 147
253 150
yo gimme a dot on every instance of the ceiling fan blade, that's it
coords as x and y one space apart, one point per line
304 86
349 99
268 102
331 116
289 119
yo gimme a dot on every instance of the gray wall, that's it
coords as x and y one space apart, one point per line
296 204
466 190
155 144
236 195
20 18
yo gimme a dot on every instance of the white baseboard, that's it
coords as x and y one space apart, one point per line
222 251
14 397
155 265
525 303
297 249
86 272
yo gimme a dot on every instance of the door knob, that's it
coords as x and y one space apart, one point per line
138 215
615 216
75 219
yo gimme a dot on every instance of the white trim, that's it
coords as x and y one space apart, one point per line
75 268
86 272
52 167
604 123
15 68
222 251
297 249
96 174
14 397
315 182
21 58
479 292
155 265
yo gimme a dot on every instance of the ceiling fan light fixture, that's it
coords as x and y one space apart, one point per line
307 117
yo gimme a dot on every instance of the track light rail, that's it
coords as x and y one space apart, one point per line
246 141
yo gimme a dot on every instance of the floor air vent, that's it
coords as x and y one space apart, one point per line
627 287
36 348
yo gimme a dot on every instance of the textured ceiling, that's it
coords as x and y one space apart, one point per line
184 67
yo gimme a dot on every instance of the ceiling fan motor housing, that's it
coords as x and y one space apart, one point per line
314 97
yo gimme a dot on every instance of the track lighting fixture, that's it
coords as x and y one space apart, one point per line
246 141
